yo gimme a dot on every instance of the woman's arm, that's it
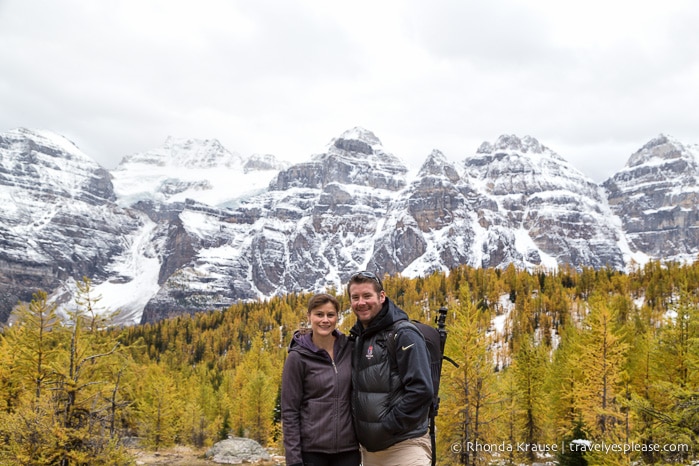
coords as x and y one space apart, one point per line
292 397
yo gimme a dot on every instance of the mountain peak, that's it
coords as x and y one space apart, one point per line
527 145
662 148
49 143
262 162
510 142
357 140
436 156
359 145
49 162
187 153
355 157
361 134
437 164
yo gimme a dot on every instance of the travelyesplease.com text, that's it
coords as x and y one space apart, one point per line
582 446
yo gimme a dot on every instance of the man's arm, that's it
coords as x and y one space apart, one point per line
413 363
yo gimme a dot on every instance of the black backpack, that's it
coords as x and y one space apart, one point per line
435 339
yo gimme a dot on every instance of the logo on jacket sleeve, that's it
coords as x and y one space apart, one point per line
370 352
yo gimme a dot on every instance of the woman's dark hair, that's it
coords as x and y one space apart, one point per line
323 298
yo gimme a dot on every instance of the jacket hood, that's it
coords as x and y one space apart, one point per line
388 314
302 339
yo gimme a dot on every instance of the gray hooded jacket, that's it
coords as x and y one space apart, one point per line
316 390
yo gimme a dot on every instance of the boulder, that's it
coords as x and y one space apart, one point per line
237 450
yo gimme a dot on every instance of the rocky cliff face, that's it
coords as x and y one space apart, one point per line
355 207
656 196
191 226
59 219
556 214
313 226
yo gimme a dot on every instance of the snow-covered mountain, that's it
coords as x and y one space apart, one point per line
59 219
656 196
191 169
192 226
546 211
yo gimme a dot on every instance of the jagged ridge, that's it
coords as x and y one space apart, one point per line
192 226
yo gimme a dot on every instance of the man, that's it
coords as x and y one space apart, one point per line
391 385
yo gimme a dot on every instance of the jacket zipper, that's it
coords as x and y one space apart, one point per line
335 403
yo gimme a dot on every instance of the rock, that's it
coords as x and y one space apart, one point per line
237 450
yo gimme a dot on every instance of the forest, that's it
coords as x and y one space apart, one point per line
568 366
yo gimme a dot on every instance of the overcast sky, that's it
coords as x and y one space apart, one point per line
594 80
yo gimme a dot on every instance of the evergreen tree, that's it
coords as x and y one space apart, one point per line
508 423
157 407
564 386
258 381
84 382
27 429
569 456
603 351
673 405
466 416
529 369
36 338
63 416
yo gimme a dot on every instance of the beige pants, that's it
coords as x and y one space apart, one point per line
411 452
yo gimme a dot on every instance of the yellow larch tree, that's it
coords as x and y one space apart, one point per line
467 408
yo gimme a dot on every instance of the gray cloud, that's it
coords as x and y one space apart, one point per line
592 81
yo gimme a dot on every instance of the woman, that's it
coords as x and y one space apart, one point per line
316 388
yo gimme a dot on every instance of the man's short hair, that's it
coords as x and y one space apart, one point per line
365 276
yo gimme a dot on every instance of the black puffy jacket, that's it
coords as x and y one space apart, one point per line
391 396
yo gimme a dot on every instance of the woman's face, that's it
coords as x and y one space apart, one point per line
323 319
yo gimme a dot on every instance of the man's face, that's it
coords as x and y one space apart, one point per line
365 301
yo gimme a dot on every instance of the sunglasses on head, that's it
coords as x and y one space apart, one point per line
366 274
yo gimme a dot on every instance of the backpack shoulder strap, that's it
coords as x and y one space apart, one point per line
392 334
